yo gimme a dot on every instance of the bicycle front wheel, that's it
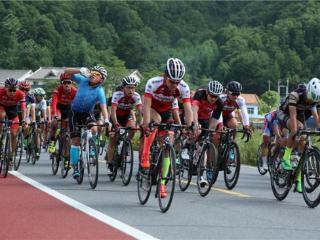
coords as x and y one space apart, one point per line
56 156
19 151
232 166
166 178
4 164
65 159
311 178
185 169
127 162
144 186
92 164
207 169
260 167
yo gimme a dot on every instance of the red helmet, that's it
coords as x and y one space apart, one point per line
65 76
24 85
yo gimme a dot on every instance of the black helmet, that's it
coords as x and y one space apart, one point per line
234 86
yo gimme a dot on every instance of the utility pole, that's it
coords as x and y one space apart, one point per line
269 85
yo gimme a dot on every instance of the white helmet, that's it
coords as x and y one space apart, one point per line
215 88
175 69
129 81
313 90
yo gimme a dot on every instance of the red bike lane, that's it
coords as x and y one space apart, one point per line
28 213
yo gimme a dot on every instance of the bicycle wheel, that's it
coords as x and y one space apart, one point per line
34 148
80 166
311 178
232 167
92 164
19 151
56 156
2 149
261 170
169 179
115 162
185 169
278 177
127 162
144 186
65 156
4 168
206 169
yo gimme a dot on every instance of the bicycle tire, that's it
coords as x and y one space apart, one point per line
56 157
208 151
92 164
64 168
259 162
80 166
127 164
311 178
231 180
278 179
115 162
6 156
144 186
170 179
19 151
186 168
2 148
34 148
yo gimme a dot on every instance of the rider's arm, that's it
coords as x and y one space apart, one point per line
316 116
176 116
114 114
104 111
188 113
54 103
33 112
195 109
244 114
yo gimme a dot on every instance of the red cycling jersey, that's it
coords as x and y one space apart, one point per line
205 108
164 99
124 104
62 97
11 101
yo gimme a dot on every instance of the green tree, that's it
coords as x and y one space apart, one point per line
271 99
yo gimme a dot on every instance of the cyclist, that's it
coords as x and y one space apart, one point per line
89 91
232 101
10 97
270 128
123 102
203 104
41 115
160 97
62 97
298 106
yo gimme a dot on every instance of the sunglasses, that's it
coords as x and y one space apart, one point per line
66 82
234 93
12 90
95 74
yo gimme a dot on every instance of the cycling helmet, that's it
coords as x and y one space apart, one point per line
39 92
313 90
129 81
215 88
101 70
24 85
234 86
64 76
11 82
175 69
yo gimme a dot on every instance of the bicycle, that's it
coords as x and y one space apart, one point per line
202 155
19 149
88 151
32 149
5 147
160 148
309 163
123 156
229 157
259 162
61 155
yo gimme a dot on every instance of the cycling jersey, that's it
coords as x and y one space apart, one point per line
12 101
270 120
59 95
229 107
205 107
124 103
86 96
40 106
164 99
297 98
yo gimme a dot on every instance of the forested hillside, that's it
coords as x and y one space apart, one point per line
251 42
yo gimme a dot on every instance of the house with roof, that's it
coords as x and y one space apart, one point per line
45 74
252 102
20 74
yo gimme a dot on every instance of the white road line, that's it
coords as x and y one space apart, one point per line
87 210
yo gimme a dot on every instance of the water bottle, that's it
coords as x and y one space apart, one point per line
120 147
295 157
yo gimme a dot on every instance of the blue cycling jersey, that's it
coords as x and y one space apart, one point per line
86 96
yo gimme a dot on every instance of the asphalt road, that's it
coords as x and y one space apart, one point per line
250 211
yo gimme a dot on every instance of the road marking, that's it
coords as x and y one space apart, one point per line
226 191
87 210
